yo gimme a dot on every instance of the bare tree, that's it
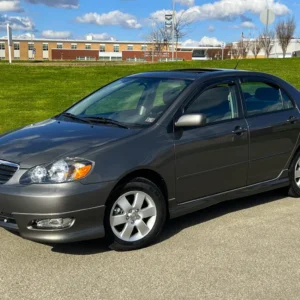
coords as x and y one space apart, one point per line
159 39
181 26
255 46
233 51
285 31
243 47
267 40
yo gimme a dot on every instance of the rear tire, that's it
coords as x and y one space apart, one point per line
294 174
135 215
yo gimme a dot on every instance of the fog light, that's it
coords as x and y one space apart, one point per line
59 223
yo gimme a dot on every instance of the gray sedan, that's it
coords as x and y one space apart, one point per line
146 148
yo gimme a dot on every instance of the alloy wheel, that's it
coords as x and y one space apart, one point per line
133 216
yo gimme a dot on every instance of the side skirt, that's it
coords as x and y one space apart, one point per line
177 210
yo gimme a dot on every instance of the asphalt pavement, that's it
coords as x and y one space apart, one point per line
243 249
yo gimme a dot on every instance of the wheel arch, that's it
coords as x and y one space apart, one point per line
148 174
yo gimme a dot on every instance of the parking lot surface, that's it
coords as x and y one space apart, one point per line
243 249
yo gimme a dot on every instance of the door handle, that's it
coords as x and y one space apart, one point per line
239 130
292 119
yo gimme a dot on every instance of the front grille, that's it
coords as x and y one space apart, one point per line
7 171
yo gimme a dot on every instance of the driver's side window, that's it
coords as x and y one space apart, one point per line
218 103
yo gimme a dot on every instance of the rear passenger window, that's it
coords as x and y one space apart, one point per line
218 103
261 97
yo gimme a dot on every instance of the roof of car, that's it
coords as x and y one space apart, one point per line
186 73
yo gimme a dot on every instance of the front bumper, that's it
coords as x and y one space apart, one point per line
20 205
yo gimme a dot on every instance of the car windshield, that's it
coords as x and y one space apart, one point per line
130 101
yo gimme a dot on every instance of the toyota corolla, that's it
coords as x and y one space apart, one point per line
146 148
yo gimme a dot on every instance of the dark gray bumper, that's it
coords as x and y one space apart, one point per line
20 205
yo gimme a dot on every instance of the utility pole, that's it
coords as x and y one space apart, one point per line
9 42
173 30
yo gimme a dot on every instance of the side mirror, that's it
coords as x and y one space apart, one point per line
191 120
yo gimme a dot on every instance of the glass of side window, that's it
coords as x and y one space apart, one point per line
218 103
262 97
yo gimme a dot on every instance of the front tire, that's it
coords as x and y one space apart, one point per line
294 174
135 215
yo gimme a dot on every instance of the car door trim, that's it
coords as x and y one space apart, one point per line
194 205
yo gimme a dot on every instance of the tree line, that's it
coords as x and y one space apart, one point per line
284 32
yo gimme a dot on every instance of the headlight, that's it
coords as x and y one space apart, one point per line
61 171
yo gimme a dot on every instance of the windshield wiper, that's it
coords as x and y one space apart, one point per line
107 121
74 117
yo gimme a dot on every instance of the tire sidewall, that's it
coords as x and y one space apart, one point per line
153 191
294 188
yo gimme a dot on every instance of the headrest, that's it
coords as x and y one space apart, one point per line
267 94
170 95
217 94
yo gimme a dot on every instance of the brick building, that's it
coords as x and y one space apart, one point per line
46 49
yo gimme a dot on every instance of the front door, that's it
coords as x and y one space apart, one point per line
213 158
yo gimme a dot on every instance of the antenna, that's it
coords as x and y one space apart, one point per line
238 62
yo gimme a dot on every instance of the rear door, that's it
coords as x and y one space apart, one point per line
273 122
212 158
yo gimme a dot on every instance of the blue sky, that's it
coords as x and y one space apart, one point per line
211 21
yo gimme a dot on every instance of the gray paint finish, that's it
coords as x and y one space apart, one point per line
199 166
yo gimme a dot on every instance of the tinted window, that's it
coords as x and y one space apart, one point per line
138 101
262 97
218 103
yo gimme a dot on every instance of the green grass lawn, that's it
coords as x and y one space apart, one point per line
31 93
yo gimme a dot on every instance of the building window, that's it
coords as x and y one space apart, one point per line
104 58
85 58
2 46
144 47
88 47
130 47
116 48
30 46
102 48
45 47
59 45
74 46
116 58
16 46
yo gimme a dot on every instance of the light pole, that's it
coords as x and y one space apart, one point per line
173 29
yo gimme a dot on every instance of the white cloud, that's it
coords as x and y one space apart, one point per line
249 25
57 3
211 28
205 41
50 34
17 23
186 2
115 17
225 10
24 36
10 6
210 41
101 36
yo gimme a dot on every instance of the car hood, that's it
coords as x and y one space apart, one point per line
47 141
